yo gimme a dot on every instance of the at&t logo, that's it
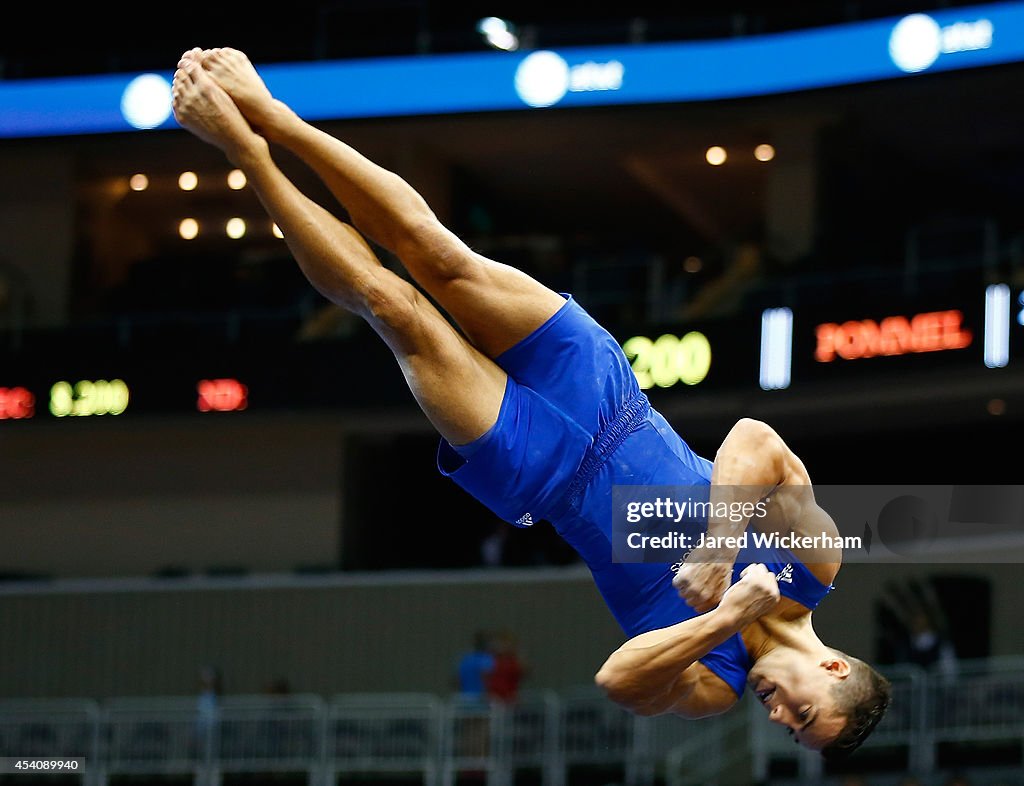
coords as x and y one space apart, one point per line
543 78
917 40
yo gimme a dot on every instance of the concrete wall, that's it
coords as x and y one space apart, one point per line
98 497
399 634
369 632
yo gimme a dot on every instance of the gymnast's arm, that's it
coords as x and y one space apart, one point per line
646 674
751 464
779 476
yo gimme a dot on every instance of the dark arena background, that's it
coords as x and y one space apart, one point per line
226 553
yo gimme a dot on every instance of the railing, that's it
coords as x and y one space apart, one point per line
384 734
712 746
47 728
437 740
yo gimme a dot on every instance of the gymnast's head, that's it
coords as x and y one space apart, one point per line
829 701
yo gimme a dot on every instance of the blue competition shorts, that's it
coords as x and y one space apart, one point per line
567 381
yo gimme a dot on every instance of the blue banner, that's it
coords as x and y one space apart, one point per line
945 40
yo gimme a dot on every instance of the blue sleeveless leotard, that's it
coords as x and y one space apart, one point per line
573 425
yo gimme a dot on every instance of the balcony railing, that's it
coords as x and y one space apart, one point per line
436 739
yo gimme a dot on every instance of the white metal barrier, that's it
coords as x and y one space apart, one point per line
473 741
710 747
595 731
983 701
532 736
384 734
270 734
159 736
52 728
438 739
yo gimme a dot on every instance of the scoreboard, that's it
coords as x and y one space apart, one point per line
775 349
102 380
785 347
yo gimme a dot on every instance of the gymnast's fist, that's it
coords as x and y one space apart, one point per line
703 578
755 594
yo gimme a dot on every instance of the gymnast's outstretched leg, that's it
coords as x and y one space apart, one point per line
494 304
459 389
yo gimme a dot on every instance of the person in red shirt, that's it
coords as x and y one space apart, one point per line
508 672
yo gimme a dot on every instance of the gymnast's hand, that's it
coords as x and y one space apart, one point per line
755 594
704 577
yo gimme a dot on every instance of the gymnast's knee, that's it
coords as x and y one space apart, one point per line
434 252
392 302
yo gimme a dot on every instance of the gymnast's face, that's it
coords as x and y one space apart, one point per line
796 689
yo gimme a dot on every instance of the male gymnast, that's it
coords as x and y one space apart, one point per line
540 416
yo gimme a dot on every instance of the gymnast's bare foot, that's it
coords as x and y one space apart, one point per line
233 71
202 107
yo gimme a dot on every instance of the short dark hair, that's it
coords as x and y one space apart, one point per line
863 697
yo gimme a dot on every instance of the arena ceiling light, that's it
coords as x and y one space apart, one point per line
499 33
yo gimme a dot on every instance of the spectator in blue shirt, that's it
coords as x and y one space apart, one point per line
474 668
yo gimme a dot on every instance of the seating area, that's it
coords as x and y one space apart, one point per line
234 300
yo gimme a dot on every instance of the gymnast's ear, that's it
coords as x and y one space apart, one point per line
836 666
